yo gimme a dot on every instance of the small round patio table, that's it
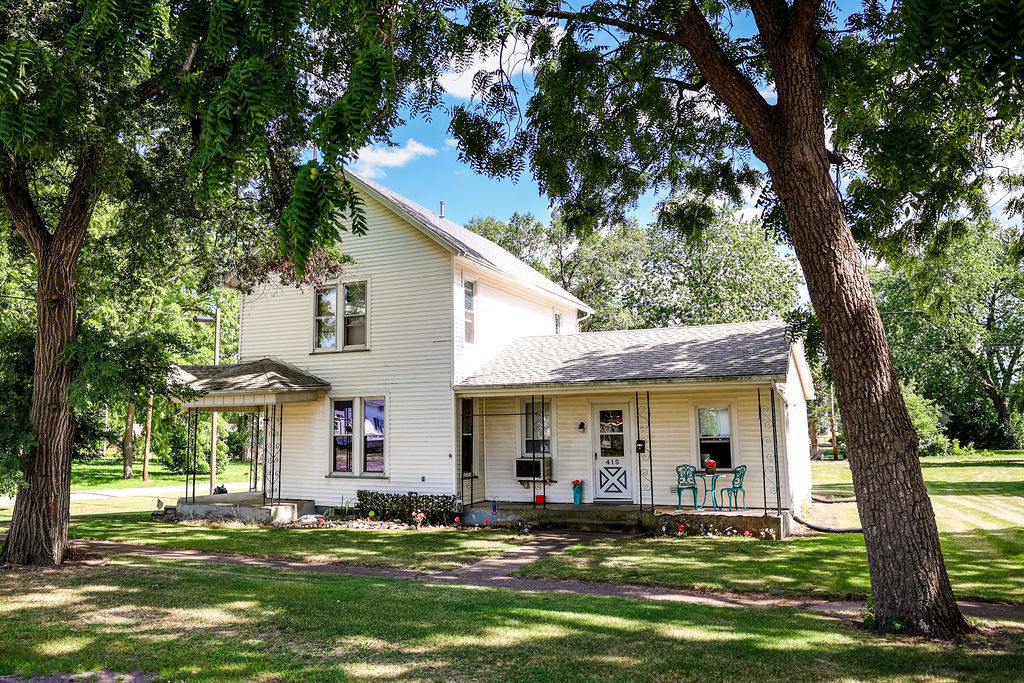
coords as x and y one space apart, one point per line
714 482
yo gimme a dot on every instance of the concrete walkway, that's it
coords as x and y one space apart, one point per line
495 572
173 492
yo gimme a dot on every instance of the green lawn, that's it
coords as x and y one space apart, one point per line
107 473
208 622
140 506
979 505
428 549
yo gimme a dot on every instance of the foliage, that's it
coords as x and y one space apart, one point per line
956 326
664 274
438 508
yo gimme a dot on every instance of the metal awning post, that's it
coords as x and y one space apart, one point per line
760 428
775 451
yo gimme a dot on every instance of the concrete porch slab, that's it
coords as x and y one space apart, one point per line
246 506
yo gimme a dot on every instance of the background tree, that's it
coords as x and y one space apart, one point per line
956 321
664 274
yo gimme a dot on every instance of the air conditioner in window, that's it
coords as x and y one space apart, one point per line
528 469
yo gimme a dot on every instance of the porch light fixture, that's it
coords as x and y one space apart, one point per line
582 427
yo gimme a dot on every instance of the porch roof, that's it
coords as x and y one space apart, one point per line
262 381
709 352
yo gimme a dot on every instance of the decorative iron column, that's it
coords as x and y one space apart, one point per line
769 451
644 455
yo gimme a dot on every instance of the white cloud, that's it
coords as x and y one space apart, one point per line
451 143
514 57
371 160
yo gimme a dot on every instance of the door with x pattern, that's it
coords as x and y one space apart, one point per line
613 464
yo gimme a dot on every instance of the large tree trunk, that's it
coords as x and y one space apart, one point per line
39 526
128 441
908 577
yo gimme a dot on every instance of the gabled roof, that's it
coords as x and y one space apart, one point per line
467 243
729 351
259 376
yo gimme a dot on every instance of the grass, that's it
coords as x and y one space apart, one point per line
206 622
140 506
978 502
428 549
107 473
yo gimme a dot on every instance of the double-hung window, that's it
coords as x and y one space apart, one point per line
360 436
469 305
537 428
350 332
714 435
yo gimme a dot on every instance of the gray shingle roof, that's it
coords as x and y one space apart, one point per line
259 376
471 245
753 349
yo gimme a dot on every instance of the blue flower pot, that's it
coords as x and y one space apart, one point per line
577 495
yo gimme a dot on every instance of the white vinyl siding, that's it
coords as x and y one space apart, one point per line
503 311
409 361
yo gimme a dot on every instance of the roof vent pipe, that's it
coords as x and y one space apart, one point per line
442 208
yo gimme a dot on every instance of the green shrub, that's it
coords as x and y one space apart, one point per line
440 509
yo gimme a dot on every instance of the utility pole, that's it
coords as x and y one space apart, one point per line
832 422
213 437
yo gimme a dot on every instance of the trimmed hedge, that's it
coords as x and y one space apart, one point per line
439 509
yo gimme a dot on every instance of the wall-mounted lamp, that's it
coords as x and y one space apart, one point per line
582 427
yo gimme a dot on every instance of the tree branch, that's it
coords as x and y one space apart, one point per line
24 213
802 17
729 83
79 204
683 85
584 17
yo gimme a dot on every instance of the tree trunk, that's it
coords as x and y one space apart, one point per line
815 451
149 438
128 441
908 577
39 527
832 423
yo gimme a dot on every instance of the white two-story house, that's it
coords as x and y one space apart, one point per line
441 364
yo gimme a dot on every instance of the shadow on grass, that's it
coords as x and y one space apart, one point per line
427 549
212 623
985 564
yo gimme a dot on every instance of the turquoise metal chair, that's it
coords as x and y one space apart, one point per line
687 480
736 489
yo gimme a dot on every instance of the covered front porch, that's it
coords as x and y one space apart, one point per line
259 390
621 451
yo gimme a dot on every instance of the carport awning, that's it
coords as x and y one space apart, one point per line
245 386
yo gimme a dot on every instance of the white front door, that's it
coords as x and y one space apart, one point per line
613 466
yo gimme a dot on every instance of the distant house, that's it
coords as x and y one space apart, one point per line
440 363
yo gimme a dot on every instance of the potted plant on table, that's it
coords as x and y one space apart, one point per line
710 466
577 491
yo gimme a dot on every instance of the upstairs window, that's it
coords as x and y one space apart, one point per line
326 334
351 333
470 306
355 314
558 323
715 436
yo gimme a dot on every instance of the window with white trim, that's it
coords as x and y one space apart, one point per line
350 332
558 323
714 435
325 335
359 437
536 428
469 304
